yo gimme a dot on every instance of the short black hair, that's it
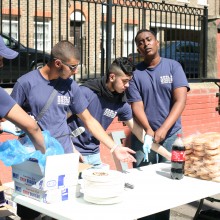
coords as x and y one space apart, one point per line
64 50
124 64
144 30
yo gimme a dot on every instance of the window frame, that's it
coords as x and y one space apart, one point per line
47 34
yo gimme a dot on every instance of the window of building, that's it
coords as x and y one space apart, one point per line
103 34
10 27
42 34
202 2
77 19
186 1
129 35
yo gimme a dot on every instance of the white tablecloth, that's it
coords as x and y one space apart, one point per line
154 191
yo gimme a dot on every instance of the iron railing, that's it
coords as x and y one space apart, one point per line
102 30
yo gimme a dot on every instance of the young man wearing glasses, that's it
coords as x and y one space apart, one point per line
33 89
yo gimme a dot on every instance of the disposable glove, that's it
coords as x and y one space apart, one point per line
9 127
148 141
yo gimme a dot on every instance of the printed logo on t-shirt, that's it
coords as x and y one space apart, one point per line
110 113
166 79
63 100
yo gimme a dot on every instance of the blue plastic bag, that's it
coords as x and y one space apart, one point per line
13 152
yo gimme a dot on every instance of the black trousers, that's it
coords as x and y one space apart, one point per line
26 213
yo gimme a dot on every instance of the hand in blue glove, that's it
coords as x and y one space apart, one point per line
148 141
9 127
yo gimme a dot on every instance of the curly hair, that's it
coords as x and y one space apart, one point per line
143 30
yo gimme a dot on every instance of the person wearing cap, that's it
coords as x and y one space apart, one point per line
12 112
106 97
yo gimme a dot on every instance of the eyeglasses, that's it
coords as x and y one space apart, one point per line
72 67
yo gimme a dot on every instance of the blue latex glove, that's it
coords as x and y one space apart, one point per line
148 141
9 127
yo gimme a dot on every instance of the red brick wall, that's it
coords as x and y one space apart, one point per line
200 114
5 172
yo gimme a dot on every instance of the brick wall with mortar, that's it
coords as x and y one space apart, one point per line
198 116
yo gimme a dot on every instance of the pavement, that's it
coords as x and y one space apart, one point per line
188 211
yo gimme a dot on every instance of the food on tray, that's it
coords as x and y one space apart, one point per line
203 156
100 174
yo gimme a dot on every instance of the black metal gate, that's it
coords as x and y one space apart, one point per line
102 30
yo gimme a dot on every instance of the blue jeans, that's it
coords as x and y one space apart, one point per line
153 157
93 159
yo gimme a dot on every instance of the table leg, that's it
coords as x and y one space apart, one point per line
198 209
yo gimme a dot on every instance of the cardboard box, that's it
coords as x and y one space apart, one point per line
48 196
9 190
5 209
6 212
60 171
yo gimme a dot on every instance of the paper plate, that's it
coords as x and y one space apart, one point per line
103 201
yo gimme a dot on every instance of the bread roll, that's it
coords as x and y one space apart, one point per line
215 174
205 177
199 153
198 147
211 152
212 168
203 171
188 151
192 174
216 179
195 158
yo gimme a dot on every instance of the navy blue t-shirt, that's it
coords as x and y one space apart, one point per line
104 112
32 91
6 103
155 86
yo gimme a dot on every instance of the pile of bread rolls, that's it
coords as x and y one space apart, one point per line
203 156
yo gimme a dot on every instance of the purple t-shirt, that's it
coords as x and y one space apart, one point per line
104 112
155 86
6 103
32 91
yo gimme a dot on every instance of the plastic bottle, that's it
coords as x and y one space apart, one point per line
178 158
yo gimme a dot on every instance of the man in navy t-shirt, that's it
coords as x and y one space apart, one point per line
107 100
11 111
157 93
33 89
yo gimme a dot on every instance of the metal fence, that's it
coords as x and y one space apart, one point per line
102 30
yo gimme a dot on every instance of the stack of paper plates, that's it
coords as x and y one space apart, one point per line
103 186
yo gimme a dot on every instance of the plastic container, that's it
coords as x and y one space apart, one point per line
178 158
